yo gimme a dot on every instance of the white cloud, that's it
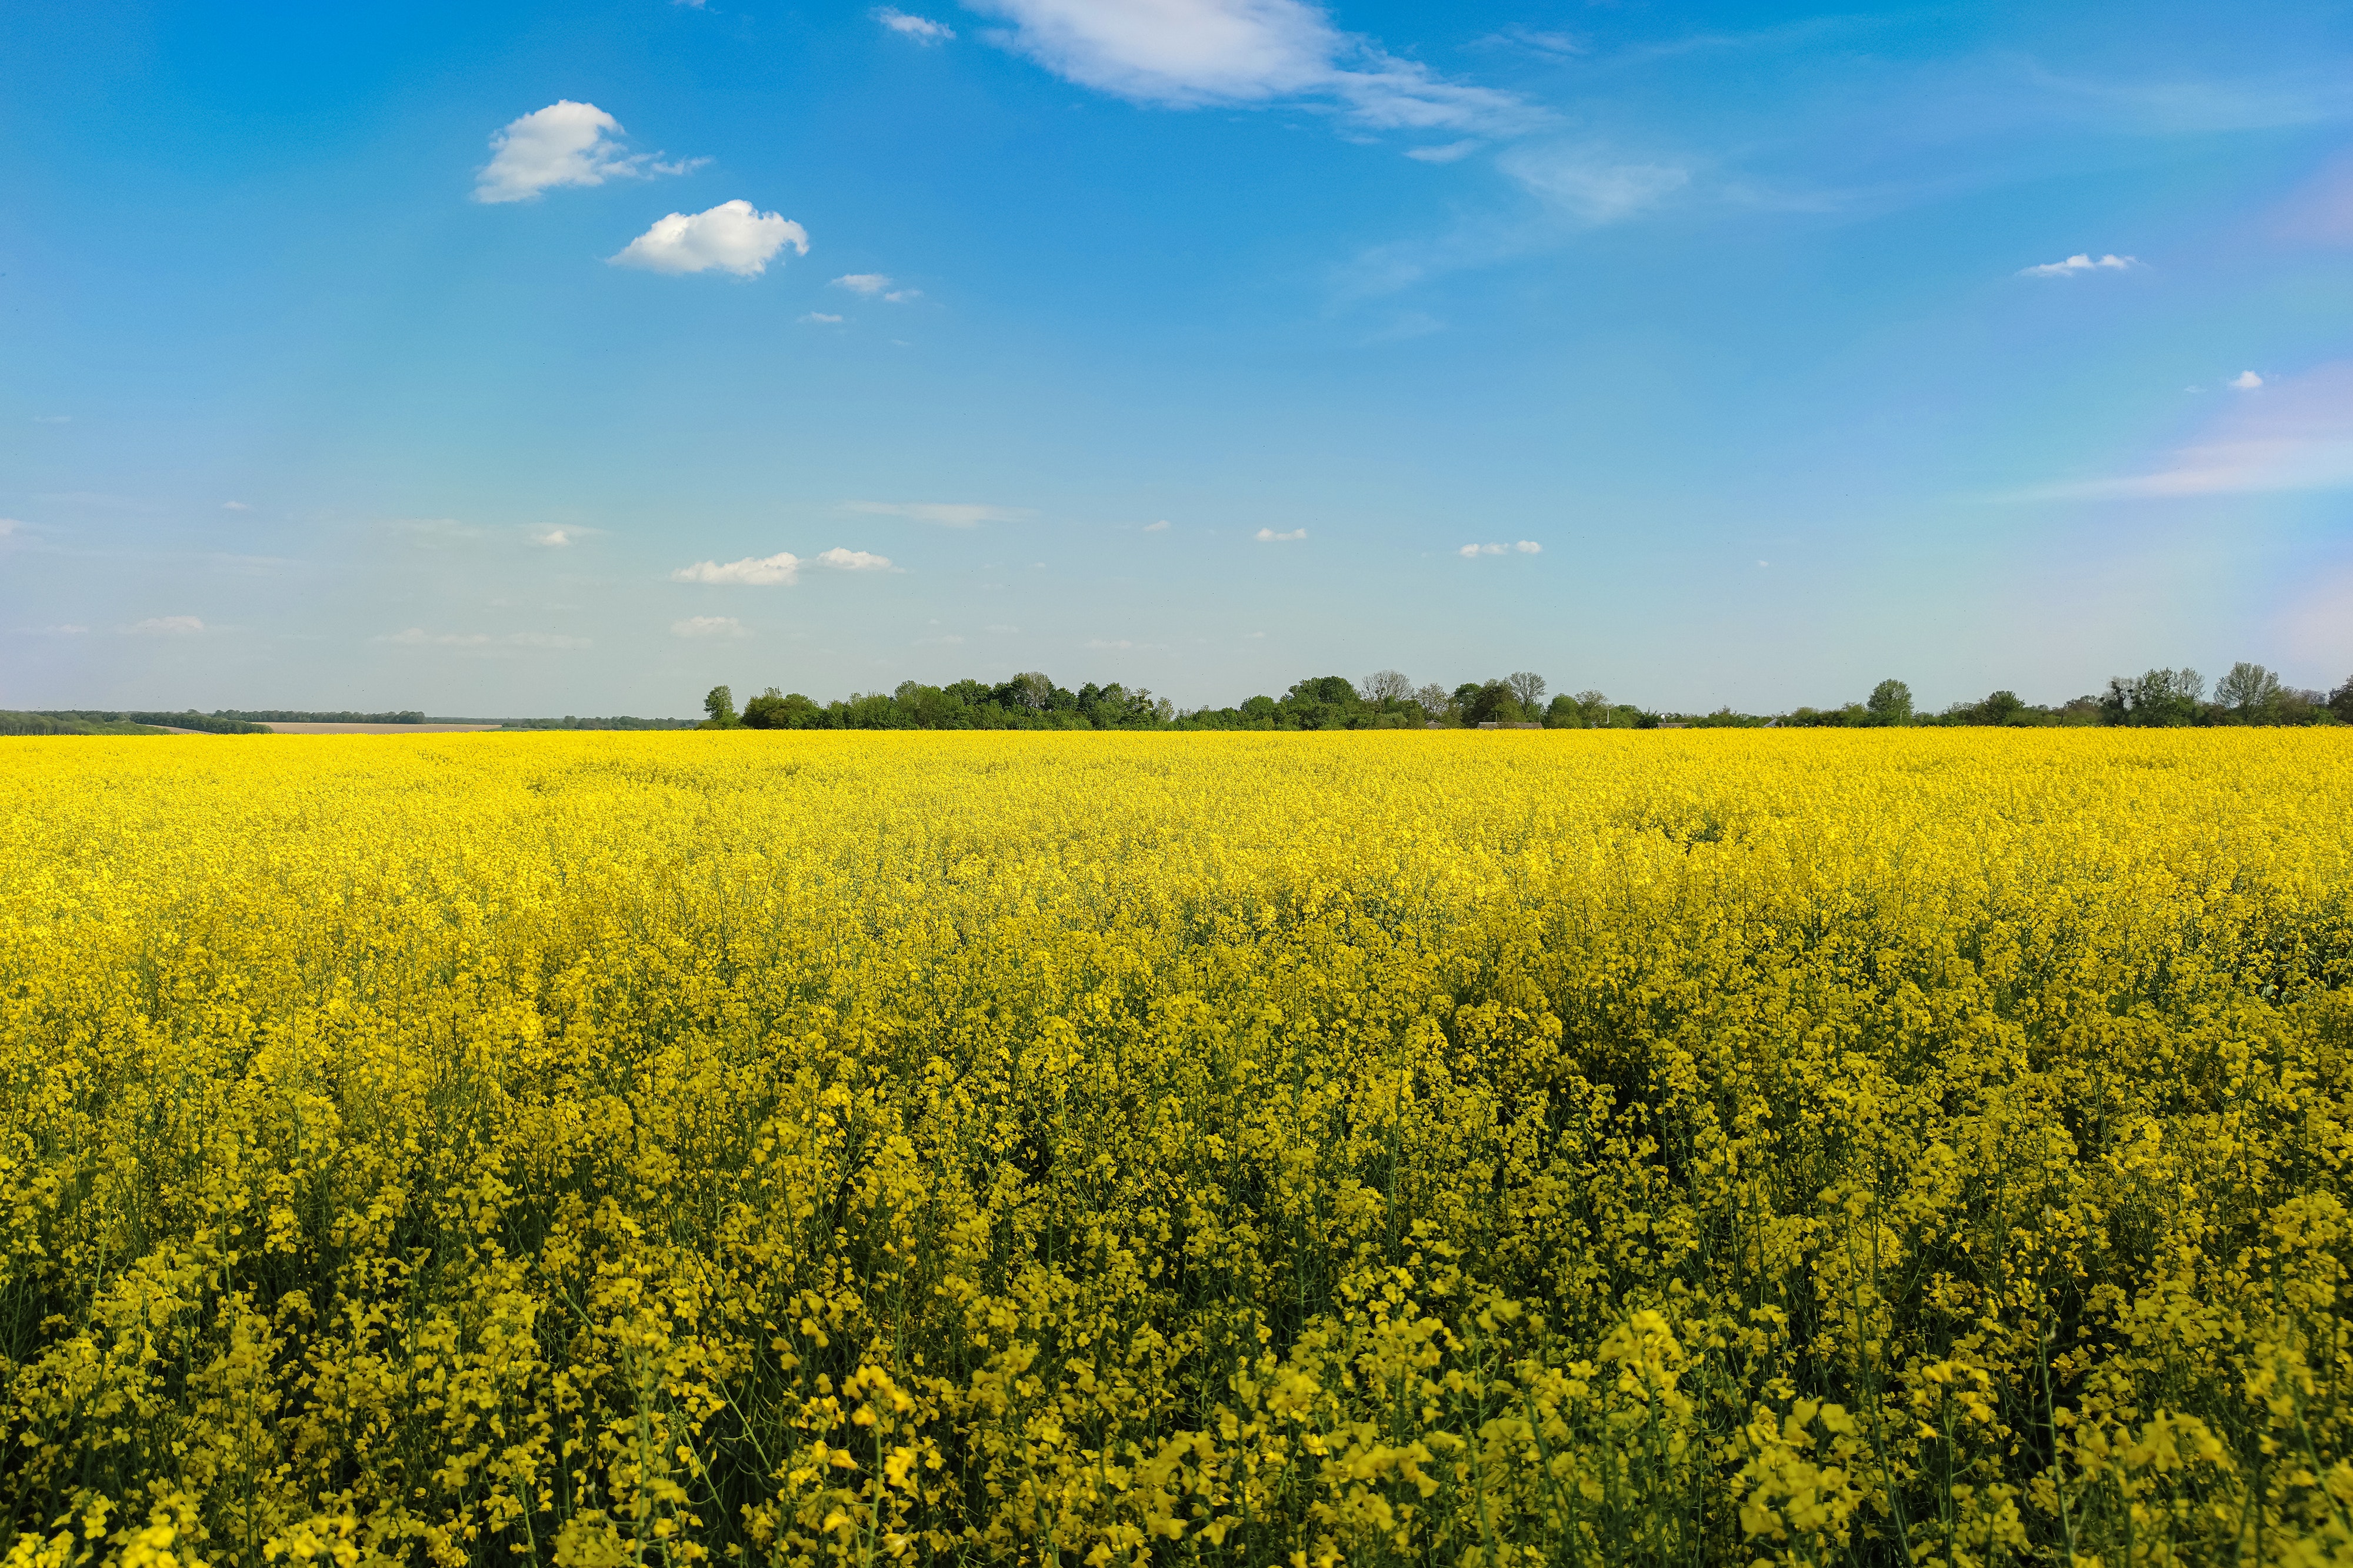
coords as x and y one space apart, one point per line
922 29
1528 547
1591 185
64 631
842 560
2079 263
783 568
901 296
948 514
1446 152
566 143
417 636
554 538
165 626
2246 381
821 318
1525 547
2297 436
867 283
707 627
1160 527
1269 536
734 237
1192 53
235 506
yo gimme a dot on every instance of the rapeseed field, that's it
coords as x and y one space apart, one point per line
1724 1147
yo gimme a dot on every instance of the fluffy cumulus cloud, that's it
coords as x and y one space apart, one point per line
707 627
842 560
948 514
1193 53
734 237
554 538
566 143
922 29
2078 264
2246 381
1525 547
781 569
1269 536
165 626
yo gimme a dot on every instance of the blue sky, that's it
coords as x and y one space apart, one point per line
540 359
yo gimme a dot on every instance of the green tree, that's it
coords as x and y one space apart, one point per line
1890 703
719 702
766 711
2340 701
2250 691
1527 689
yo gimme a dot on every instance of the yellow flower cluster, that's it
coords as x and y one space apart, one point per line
1586 1147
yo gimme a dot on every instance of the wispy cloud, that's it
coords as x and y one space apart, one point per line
1445 152
2079 263
946 514
1525 547
165 627
707 627
566 143
58 631
554 538
2297 436
417 636
819 318
734 237
235 506
1189 54
1160 527
1269 536
922 29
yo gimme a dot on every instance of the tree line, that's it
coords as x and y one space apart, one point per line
1387 699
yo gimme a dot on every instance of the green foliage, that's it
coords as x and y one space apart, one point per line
1890 703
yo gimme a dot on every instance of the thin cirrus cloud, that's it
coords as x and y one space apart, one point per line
922 29
165 627
1191 54
876 285
707 627
946 514
417 636
818 318
1525 547
781 569
566 143
1269 536
2079 263
734 237
2297 436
